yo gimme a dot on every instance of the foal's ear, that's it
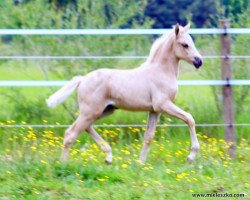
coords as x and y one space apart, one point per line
177 29
186 28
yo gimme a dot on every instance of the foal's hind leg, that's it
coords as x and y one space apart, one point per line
102 143
72 133
172 109
83 123
98 139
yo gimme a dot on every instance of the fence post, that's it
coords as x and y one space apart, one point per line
227 90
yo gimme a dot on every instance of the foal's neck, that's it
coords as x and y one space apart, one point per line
165 58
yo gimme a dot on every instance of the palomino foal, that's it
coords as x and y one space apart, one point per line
151 87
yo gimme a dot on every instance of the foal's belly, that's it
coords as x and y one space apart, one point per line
133 105
133 99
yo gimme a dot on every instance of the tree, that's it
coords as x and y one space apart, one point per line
203 13
168 12
235 10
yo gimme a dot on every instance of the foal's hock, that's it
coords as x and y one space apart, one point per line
152 87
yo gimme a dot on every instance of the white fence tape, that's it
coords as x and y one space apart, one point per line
117 31
12 83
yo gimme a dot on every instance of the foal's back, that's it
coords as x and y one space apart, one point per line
125 89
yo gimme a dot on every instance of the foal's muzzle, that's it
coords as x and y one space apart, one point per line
197 62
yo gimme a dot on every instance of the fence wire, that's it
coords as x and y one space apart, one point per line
116 125
105 57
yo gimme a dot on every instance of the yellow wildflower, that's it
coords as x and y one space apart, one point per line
124 165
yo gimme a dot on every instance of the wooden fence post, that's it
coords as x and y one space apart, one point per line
227 90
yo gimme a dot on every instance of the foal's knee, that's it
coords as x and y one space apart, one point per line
190 120
68 139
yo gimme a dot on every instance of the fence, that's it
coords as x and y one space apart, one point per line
225 56
180 83
118 31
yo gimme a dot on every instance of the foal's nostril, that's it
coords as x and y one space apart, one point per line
197 62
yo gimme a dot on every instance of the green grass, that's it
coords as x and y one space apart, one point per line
30 168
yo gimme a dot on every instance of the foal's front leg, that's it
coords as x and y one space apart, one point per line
173 110
149 134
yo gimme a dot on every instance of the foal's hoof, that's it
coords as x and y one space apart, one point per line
190 159
63 160
108 162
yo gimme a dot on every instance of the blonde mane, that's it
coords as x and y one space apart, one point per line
157 46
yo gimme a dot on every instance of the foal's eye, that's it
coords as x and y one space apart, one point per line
185 45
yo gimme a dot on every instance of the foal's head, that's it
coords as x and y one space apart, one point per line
184 46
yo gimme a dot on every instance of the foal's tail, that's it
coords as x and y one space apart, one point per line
62 94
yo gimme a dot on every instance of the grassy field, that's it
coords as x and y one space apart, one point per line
30 168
